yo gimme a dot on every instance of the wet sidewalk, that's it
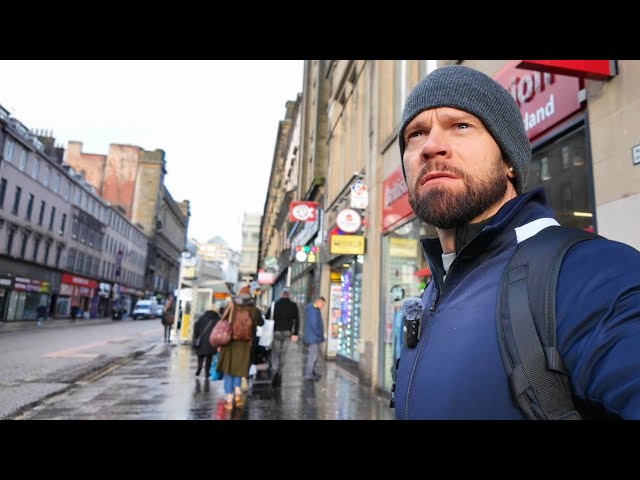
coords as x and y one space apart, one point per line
161 385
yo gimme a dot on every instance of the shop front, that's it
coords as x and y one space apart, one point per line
78 297
6 283
104 299
345 297
552 108
405 272
125 299
25 298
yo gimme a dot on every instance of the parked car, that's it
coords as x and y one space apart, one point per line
159 310
145 309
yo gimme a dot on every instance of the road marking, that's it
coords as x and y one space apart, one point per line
77 352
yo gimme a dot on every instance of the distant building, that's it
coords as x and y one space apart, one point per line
250 244
61 244
217 251
132 179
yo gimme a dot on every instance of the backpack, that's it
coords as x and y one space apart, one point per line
242 326
526 321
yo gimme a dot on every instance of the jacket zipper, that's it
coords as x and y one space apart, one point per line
423 340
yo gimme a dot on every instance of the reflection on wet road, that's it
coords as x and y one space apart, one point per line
161 385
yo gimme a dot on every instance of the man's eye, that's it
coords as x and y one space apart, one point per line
414 134
463 126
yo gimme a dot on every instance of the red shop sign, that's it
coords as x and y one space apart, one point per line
80 281
593 69
395 201
545 99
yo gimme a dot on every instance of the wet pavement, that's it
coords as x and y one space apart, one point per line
161 385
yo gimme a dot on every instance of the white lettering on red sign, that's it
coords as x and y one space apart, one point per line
394 192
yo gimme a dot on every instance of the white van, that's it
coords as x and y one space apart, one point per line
146 308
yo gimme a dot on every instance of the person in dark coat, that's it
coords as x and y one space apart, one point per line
201 332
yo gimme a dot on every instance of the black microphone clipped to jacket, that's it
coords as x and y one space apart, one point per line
412 310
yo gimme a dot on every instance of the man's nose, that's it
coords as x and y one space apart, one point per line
436 145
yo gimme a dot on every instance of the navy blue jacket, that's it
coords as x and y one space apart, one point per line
313 329
456 371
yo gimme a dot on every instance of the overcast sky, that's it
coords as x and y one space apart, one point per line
216 121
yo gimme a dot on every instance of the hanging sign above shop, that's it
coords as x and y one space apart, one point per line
303 211
307 253
348 220
593 69
266 278
347 245
359 195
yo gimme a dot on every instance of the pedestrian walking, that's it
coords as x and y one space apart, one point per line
313 337
41 313
168 317
201 333
235 357
285 314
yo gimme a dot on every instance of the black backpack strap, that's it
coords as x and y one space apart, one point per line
526 321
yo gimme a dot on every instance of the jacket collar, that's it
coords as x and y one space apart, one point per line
500 230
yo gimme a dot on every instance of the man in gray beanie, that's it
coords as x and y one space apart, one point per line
465 156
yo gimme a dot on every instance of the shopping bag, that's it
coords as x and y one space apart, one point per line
215 374
267 334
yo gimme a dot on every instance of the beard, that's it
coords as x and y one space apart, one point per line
445 208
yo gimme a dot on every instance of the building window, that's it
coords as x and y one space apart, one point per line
47 176
83 233
75 229
3 191
56 182
16 201
47 248
58 255
71 259
67 191
64 220
11 235
8 150
36 247
23 247
80 262
88 264
52 218
399 89
23 160
36 169
30 206
426 67
41 215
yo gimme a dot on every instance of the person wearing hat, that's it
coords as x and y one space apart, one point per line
465 155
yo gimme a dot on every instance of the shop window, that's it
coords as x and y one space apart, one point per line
566 161
565 177
545 174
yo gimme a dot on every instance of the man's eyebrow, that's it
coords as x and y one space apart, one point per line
456 116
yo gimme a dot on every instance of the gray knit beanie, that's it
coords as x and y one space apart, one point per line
467 89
